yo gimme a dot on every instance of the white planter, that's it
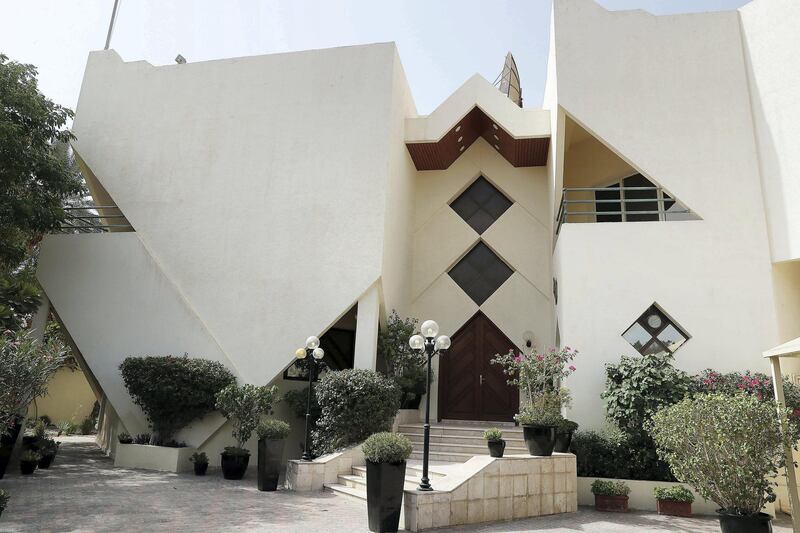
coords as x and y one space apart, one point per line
641 497
149 457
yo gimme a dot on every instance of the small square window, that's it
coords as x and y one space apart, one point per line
481 204
480 273
655 333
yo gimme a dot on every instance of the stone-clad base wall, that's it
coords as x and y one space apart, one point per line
517 486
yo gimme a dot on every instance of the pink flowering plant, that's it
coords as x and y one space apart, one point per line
539 375
26 365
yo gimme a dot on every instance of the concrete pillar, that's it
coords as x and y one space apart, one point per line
367 329
39 320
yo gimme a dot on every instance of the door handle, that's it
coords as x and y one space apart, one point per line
481 379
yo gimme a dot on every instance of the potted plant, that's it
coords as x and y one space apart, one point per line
7 440
495 442
674 501
124 438
243 406
729 449
611 496
271 441
4 497
28 462
538 375
200 462
385 455
48 449
564 431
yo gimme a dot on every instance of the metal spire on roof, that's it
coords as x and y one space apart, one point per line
508 80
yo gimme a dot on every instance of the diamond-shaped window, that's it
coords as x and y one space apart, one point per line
481 204
655 333
480 273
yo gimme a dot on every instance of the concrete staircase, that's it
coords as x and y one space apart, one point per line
456 444
450 444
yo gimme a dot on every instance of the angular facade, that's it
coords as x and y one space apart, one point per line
646 208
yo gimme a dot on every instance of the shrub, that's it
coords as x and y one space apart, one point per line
87 426
142 438
538 414
30 456
601 454
673 494
199 458
636 388
387 448
405 366
273 429
25 368
244 406
4 498
124 438
493 434
65 427
354 404
724 447
173 391
566 426
298 401
602 487
234 451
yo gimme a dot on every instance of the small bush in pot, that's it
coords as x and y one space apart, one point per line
674 501
48 448
386 455
495 442
728 449
564 431
539 423
611 496
142 438
243 406
4 497
200 462
124 438
28 462
272 435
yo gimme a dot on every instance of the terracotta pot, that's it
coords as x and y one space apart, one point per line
673 508
611 504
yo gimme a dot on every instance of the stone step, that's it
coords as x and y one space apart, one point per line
360 483
469 449
451 457
513 439
464 431
347 492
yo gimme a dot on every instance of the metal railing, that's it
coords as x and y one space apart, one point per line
581 205
94 219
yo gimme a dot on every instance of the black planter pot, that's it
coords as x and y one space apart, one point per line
540 440
270 459
7 441
385 495
29 442
200 469
46 460
27 468
563 440
234 466
731 523
496 447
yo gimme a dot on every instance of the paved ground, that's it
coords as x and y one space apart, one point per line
83 492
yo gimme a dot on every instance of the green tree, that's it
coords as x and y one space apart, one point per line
35 178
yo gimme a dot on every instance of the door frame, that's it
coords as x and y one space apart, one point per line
442 383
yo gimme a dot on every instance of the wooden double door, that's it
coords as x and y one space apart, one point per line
470 388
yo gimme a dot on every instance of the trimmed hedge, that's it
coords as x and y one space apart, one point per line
173 391
387 447
354 404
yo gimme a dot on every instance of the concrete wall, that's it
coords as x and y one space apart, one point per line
521 236
669 95
770 43
69 397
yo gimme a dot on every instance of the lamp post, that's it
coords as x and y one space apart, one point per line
314 354
431 345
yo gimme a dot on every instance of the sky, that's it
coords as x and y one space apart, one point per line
441 42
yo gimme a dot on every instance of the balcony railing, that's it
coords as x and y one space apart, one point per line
618 204
94 219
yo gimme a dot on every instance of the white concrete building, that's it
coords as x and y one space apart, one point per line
649 205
